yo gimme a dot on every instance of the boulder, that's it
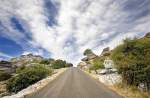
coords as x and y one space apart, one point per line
105 52
147 35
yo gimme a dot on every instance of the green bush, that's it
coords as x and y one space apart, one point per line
97 64
68 65
47 61
20 69
133 61
58 64
87 52
4 76
28 76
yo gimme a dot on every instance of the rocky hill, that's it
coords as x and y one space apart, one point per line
6 66
26 59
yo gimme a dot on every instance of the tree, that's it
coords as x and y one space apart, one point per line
87 52
133 60
45 62
68 65
58 64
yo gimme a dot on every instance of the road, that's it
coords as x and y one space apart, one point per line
74 83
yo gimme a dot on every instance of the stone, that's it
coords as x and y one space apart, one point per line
110 79
105 52
108 64
147 35
142 87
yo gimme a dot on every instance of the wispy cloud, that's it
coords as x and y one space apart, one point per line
65 28
4 55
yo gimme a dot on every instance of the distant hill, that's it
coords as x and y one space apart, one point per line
6 66
25 59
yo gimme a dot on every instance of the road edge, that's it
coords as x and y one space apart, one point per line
94 76
37 86
55 76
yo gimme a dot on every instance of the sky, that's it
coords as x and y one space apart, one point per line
63 29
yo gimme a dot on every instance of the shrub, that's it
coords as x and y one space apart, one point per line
133 60
58 64
20 69
4 76
97 64
28 76
46 62
68 65
87 52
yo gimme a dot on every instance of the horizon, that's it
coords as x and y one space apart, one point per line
61 29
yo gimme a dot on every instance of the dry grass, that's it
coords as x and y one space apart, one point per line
125 90
129 91
3 90
2 87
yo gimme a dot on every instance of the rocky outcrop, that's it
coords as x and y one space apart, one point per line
110 79
89 57
26 60
106 52
147 35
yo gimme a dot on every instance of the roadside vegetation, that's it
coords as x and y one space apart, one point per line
27 76
96 65
4 76
132 59
30 72
95 62
129 91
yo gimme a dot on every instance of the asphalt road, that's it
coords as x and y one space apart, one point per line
74 83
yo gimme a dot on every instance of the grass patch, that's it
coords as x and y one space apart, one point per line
130 91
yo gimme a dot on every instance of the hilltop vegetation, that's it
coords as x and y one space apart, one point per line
132 59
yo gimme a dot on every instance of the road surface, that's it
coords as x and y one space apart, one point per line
74 83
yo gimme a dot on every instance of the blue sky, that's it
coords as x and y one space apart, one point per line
64 29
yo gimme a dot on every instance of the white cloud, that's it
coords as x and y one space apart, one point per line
81 24
39 52
5 55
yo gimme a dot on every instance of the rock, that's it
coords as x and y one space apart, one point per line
147 35
142 87
108 64
107 71
102 72
25 59
85 59
110 79
105 52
